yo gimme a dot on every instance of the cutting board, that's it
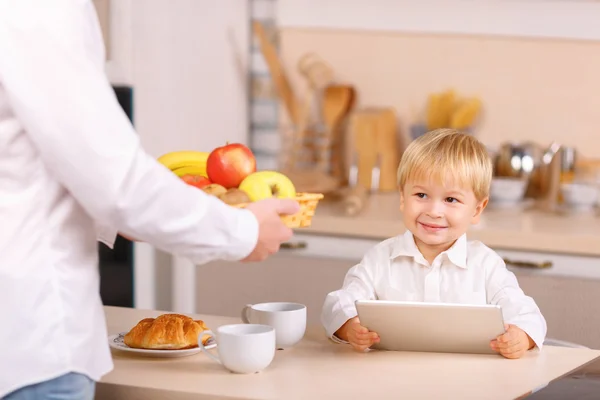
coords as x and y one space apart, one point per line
375 139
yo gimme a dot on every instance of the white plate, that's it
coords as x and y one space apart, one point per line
116 342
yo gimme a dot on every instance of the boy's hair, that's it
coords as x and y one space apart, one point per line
444 154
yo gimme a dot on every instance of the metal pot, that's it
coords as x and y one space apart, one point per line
529 161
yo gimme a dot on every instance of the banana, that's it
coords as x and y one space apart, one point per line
185 158
196 170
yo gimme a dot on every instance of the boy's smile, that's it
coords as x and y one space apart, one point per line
437 215
432 227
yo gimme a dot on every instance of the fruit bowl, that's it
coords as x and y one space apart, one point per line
229 173
308 204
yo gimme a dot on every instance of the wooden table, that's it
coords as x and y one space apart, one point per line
318 369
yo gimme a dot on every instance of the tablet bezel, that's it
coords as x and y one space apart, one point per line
432 327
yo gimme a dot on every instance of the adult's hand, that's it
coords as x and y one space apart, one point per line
271 230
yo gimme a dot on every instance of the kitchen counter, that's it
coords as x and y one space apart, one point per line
515 229
317 368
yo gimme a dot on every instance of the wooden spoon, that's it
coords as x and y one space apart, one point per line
282 84
337 101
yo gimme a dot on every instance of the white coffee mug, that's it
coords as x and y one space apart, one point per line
288 319
243 348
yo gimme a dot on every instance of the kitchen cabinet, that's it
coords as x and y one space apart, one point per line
223 288
569 304
567 293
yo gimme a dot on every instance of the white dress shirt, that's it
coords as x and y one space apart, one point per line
71 166
467 273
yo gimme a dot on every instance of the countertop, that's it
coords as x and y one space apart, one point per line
525 229
316 368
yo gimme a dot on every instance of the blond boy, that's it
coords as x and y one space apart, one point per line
444 179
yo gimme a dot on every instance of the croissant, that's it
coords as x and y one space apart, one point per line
166 332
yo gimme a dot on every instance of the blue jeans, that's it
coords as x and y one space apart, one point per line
70 386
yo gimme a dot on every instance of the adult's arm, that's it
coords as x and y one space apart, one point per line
60 95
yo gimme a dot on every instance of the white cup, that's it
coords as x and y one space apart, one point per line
243 348
288 319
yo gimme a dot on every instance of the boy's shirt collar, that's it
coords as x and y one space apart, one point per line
405 246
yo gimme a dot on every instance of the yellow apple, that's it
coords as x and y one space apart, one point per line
264 184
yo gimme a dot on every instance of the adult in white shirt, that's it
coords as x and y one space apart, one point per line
71 165
444 178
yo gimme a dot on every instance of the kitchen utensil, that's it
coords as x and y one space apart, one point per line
243 348
530 161
339 138
315 70
580 196
278 75
376 143
337 100
117 342
568 162
464 115
439 109
317 75
517 160
376 174
446 110
354 197
288 319
507 190
363 131
387 149
300 164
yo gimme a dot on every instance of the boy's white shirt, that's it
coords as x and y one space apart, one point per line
468 272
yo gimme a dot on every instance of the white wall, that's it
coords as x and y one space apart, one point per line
558 19
187 62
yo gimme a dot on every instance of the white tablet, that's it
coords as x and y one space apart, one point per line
436 327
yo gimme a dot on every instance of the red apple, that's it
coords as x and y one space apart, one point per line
230 164
196 180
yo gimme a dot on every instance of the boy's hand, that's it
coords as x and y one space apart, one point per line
513 343
357 335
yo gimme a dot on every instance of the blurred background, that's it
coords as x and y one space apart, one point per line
331 92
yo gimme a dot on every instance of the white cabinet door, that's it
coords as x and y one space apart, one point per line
570 306
567 293
224 288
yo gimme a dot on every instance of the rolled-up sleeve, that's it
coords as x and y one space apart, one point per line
517 308
358 284
61 96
